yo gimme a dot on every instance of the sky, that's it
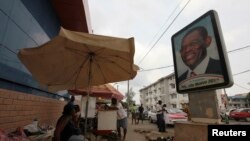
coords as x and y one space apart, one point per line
153 22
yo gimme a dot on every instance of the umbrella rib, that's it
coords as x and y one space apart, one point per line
99 50
115 56
79 71
79 52
89 52
76 72
107 59
99 66
85 52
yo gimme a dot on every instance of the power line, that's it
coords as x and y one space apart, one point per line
172 13
156 68
164 32
241 87
238 49
241 72
172 65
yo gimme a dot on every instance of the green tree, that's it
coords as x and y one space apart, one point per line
130 97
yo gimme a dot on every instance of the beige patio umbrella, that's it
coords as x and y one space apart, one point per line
75 60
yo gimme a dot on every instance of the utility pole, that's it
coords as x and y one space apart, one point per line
128 100
128 92
225 102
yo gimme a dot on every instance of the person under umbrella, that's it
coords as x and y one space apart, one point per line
122 121
65 126
76 60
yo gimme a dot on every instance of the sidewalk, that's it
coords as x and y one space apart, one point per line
135 136
147 126
138 136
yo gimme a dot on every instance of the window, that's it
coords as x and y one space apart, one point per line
173 96
185 95
172 85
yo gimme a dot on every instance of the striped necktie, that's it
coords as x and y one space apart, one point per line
192 74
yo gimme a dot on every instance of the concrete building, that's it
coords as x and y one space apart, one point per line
163 89
239 101
26 24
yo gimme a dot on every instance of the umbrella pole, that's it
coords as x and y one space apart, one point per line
89 90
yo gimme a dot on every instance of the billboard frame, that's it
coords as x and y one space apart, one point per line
227 79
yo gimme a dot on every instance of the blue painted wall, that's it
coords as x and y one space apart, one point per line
44 14
23 24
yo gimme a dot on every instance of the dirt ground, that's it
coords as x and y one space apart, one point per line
145 131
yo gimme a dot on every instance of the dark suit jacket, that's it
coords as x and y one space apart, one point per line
214 67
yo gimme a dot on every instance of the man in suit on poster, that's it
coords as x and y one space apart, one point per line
194 54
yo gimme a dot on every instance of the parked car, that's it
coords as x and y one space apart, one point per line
172 115
145 114
243 113
228 111
152 116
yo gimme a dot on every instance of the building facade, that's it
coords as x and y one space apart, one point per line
27 24
163 89
239 101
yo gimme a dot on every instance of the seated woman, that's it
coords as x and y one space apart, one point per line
65 126
77 116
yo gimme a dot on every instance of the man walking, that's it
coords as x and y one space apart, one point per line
141 110
121 117
159 116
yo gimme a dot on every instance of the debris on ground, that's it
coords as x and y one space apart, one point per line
151 135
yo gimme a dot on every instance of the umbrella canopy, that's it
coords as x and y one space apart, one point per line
104 91
75 60
66 61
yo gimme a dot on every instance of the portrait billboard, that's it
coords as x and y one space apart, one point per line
200 57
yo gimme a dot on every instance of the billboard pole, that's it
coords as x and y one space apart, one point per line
128 100
201 68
